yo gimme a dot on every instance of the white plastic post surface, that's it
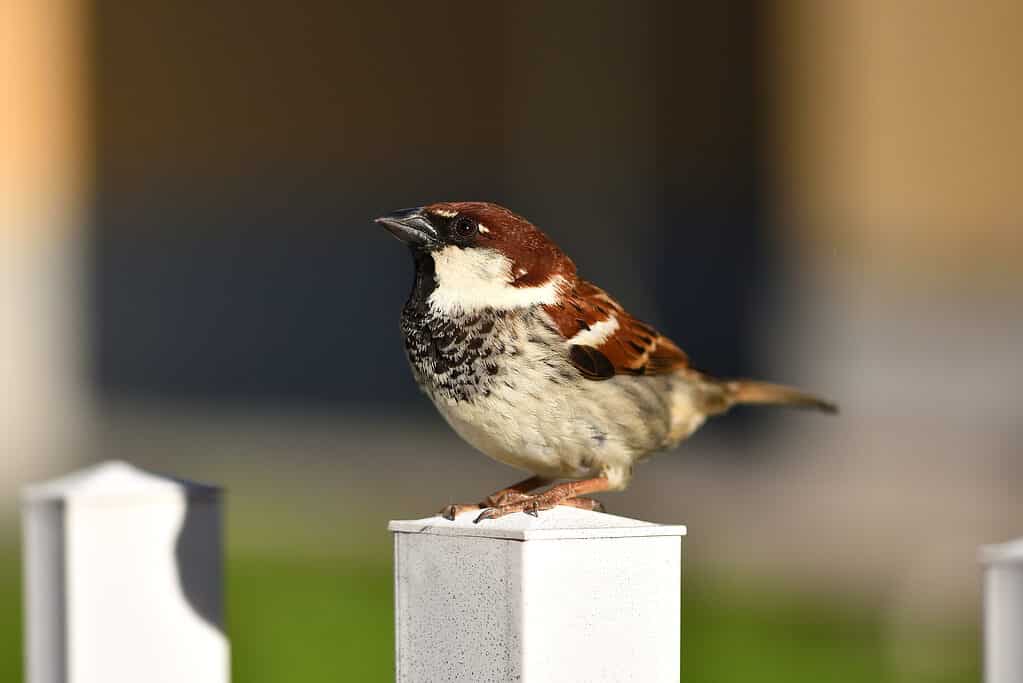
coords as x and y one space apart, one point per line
123 579
568 596
1003 612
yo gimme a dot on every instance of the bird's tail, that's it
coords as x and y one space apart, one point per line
745 391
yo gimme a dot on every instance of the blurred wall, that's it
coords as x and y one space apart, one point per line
900 137
899 140
42 158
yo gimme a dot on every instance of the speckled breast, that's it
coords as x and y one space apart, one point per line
455 358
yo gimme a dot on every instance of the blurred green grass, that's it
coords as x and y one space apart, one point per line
10 614
307 618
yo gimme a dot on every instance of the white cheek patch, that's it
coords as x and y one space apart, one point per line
470 280
597 334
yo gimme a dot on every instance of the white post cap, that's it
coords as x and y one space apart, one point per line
1010 552
113 480
562 522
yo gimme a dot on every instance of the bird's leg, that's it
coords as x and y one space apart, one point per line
513 494
556 495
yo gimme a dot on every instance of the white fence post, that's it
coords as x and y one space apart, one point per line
1003 612
570 595
123 579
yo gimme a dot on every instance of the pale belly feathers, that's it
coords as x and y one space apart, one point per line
517 398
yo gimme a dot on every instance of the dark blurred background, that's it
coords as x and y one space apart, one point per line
821 193
241 151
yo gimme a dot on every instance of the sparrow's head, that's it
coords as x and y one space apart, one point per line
482 255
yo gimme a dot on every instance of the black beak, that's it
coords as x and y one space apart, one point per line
410 226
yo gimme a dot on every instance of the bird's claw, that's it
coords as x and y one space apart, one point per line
487 513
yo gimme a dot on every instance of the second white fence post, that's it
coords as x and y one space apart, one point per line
1003 612
568 596
123 579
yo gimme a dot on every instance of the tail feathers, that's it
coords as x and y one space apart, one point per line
765 393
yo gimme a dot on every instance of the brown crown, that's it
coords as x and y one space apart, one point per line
534 256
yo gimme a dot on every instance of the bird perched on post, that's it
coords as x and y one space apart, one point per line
540 369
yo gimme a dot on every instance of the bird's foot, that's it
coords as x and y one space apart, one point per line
562 494
506 497
516 493
535 504
500 499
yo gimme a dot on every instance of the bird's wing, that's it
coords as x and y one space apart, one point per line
604 340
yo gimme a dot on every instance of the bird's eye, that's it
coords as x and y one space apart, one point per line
464 227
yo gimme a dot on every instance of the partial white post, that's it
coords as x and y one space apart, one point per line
570 595
123 579
1003 612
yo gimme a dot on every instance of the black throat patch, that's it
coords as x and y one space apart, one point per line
425 281
456 357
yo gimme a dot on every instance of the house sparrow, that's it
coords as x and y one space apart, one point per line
540 369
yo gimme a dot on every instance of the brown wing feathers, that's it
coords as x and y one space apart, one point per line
610 341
